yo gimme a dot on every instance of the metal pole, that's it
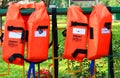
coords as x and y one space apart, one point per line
38 70
1 29
94 70
0 22
69 2
97 1
60 11
55 42
23 72
110 61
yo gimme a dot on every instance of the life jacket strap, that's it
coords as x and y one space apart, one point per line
78 24
64 33
107 25
91 68
1 37
42 27
14 56
31 70
79 51
39 29
91 33
11 28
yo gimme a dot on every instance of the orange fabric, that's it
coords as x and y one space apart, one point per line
37 49
29 5
13 45
99 45
73 40
38 45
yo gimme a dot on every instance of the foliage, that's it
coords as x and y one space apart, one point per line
116 48
59 3
111 2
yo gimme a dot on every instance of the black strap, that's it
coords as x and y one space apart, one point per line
11 28
91 33
42 27
50 44
64 33
1 37
39 29
110 9
14 56
77 51
78 24
107 25
26 36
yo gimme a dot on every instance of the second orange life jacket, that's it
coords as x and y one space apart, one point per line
99 32
76 35
38 34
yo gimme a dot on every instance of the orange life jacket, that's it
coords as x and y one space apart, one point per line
99 32
76 35
13 34
38 26
38 34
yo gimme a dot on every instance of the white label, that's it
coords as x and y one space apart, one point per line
105 31
15 35
78 31
42 34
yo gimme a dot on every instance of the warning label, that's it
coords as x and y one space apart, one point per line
12 43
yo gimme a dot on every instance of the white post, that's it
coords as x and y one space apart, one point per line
97 1
69 2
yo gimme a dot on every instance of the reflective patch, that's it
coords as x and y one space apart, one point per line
78 31
105 31
40 34
15 35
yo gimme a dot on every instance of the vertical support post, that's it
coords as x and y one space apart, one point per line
1 30
94 76
1 23
38 70
110 61
1 33
55 42
23 72
69 2
3 76
97 1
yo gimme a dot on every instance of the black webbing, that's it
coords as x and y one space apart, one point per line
107 25
42 27
11 28
1 37
91 33
64 33
26 36
50 44
79 51
14 56
78 24
39 29
109 9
